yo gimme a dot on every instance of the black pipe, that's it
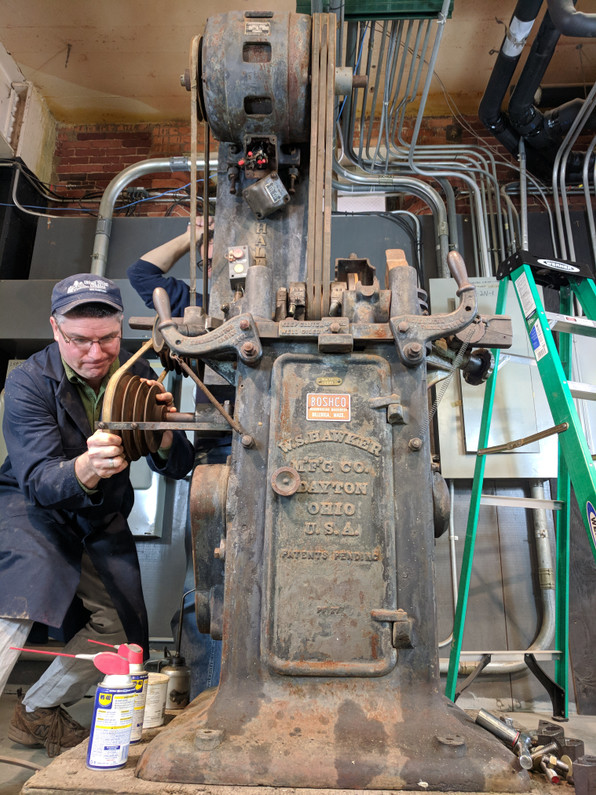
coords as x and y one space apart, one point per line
571 22
489 111
543 132
522 112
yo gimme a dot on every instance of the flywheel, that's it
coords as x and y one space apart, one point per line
129 399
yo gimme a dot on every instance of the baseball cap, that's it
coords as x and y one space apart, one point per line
85 288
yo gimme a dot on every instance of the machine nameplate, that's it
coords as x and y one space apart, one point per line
328 380
253 27
330 546
312 328
327 407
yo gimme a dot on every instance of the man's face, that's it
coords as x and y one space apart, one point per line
90 362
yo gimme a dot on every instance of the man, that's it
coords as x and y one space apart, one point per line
65 494
150 271
201 651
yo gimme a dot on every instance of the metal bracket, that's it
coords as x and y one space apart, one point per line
471 677
402 629
555 691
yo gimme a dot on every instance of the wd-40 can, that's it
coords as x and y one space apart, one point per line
139 675
113 716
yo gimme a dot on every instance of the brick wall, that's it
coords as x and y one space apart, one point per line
89 157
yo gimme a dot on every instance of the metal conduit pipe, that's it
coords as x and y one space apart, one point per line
99 257
468 158
546 577
433 169
558 174
395 184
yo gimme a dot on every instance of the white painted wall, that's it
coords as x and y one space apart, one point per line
27 128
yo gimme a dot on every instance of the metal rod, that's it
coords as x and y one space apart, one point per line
499 448
190 372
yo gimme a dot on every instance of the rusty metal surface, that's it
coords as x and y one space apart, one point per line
382 728
329 547
208 519
248 61
326 514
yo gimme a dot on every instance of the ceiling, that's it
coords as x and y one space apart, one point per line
120 60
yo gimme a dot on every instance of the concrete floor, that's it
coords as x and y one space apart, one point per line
13 778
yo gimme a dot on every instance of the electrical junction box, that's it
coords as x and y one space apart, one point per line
520 407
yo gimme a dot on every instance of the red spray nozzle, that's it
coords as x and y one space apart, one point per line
107 662
130 651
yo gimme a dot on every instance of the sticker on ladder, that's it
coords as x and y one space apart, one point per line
591 520
525 295
538 341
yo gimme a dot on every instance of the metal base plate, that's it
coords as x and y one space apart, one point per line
412 742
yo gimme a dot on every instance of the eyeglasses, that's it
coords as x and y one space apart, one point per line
84 344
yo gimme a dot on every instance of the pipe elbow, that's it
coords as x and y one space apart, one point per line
569 21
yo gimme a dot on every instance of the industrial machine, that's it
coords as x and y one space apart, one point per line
324 517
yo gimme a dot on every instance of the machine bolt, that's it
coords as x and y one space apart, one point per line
225 308
334 328
403 326
249 349
207 739
413 351
244 324
247 440
220 551
415 444
452 743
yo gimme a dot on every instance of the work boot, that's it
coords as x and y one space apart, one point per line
49 726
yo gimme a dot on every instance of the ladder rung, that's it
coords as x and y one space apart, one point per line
582 391
571 325
520 502
510 655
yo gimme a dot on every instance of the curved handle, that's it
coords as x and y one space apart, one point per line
161 302
457 266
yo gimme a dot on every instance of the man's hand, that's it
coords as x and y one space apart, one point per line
104 458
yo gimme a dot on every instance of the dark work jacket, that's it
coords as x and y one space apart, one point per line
47 519
145 277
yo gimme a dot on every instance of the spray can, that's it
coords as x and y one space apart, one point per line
134 654
113 715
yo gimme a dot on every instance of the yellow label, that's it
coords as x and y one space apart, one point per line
105 699
329 380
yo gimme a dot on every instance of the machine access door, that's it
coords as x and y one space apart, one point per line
329 536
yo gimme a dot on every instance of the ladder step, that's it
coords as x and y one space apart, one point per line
510 655
520 502
582 391
571 325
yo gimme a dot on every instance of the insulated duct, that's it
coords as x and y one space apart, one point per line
569 21
542 132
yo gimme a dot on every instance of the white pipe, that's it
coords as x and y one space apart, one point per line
546 633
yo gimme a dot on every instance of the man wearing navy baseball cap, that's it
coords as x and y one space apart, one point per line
65 494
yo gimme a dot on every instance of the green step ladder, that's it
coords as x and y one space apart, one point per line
575 461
